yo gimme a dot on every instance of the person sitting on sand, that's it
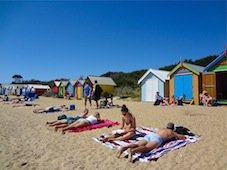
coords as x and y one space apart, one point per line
51 109
151 141
82 122
68 120
205 98
172 101
128 128
160 100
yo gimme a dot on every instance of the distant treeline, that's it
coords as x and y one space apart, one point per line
201 62
130 79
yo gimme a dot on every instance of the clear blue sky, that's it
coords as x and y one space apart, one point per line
49 40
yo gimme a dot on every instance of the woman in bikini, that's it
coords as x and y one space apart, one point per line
128 128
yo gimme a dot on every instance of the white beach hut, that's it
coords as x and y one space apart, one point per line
153 81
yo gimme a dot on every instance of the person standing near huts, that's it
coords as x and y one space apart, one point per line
17 91
87 94
97 90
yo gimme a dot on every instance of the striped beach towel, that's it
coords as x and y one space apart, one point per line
152 155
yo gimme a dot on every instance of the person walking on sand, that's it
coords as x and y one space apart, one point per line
97 91
151 141
87 94
128 127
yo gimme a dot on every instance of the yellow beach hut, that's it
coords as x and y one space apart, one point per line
106 83
79 89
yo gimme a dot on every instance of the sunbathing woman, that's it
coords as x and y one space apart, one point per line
68 120
128 127
82 122
51 109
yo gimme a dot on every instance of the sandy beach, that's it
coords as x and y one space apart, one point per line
27 143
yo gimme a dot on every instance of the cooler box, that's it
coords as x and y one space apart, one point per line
72 107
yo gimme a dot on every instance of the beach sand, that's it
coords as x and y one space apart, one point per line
27 143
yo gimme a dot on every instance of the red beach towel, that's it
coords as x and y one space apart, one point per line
103 123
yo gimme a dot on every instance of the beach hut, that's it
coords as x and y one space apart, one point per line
106 83
153 81
39 88
214 78
62 89
70 88
79 89
185 81
55 87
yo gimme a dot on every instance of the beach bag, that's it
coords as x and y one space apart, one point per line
179 102
214 103
183 131
157 102
60 117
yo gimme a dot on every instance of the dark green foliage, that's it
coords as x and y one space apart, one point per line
201 62
125 79
17 76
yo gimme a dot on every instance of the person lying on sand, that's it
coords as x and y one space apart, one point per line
68 120
14 101
51 109
128 128
151 141
25 104
82 122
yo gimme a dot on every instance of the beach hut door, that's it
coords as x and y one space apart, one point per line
209 83
183 86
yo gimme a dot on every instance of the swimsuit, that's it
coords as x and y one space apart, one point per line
70 120
92 119
153 137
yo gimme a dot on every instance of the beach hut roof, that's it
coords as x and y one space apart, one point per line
162 75
102 80
213 63
57 83
81 82
192 67
64 83
73 82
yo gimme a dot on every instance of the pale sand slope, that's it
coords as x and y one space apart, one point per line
26 143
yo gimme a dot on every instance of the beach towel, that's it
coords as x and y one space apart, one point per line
103 123
152 155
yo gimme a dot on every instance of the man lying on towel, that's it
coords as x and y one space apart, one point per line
151 141
82 122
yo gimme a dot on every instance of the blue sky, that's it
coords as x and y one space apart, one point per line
46 40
